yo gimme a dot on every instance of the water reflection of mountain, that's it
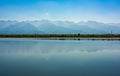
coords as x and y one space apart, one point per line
49 46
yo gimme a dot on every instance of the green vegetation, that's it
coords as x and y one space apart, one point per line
60 36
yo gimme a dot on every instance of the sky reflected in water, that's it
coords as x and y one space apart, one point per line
30 57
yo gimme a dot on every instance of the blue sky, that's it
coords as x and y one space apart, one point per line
107 11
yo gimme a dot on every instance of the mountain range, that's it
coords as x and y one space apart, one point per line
57 27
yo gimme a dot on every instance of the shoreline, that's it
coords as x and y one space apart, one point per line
65 36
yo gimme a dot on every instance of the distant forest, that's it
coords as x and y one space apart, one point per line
59 35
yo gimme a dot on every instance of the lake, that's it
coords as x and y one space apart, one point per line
35 57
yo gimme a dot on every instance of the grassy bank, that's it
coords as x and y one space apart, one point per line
60 36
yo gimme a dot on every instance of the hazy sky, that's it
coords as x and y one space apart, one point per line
107 11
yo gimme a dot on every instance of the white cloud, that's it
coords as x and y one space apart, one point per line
46 14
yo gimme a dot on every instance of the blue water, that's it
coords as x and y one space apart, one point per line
31 57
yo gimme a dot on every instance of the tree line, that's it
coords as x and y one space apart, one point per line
58 35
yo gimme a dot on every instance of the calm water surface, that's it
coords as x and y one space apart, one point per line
31 57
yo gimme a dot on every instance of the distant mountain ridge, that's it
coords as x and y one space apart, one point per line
57 27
